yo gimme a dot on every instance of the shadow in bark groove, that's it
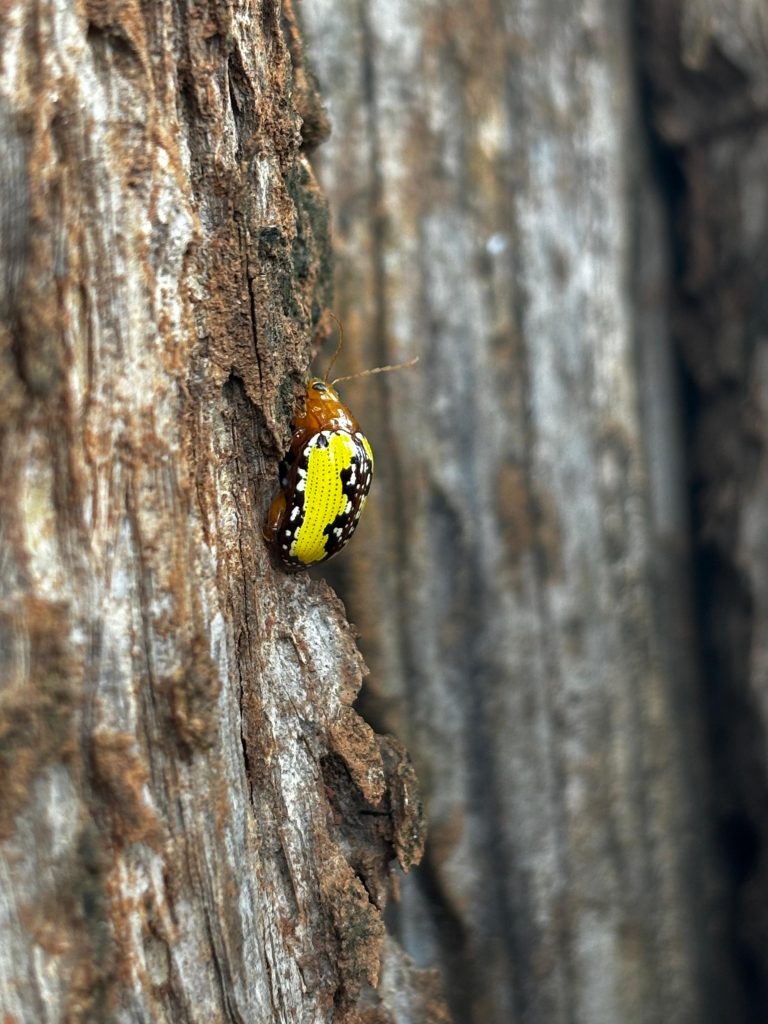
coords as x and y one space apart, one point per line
710 290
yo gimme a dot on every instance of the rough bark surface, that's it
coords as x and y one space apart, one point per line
195 825
499 213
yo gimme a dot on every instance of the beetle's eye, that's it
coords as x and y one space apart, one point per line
319 386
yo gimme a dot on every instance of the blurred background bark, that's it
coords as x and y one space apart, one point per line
562 583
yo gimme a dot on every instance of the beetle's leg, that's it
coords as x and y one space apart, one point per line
274 517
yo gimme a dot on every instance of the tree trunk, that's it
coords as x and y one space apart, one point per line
524 582
195 825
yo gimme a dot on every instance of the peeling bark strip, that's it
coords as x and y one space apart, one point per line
194 823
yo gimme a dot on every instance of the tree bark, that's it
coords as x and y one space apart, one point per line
195 825
505 210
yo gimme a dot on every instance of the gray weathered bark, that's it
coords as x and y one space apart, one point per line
499 211
194 823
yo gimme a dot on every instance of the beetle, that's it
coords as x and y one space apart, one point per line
325 476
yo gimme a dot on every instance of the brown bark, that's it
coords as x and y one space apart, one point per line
195 825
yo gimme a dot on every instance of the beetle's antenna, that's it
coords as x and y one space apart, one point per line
339 343
378 369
